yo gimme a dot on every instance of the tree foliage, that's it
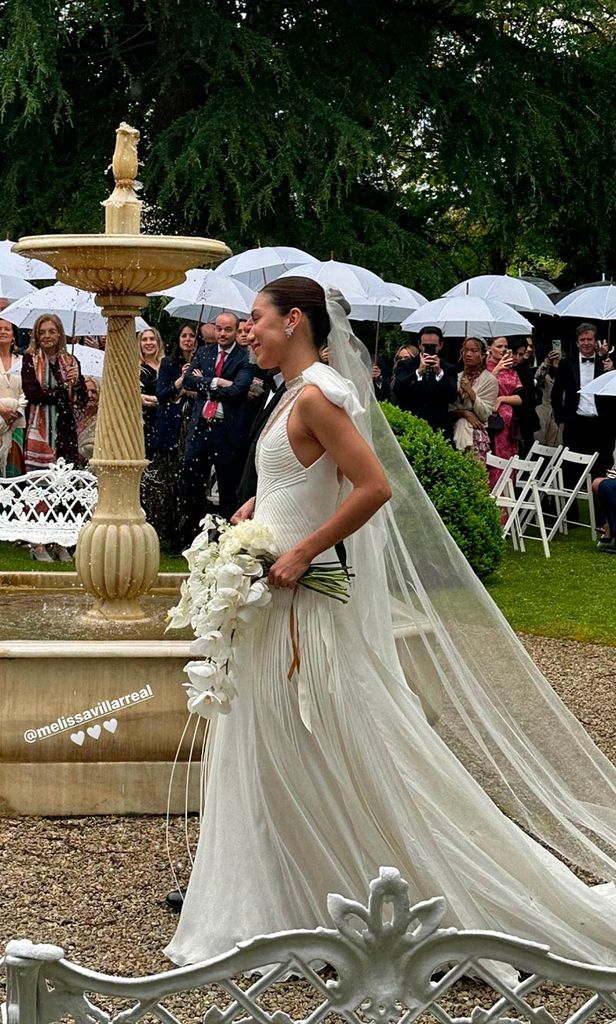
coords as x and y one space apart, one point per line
426 140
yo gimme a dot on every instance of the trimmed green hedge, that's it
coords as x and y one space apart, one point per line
457 485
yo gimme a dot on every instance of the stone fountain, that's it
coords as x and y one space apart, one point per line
117 554
54 759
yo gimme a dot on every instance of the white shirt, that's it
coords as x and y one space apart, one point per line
587 405
278 379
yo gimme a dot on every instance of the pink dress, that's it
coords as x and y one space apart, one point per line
505 443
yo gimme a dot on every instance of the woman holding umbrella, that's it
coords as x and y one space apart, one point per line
55 389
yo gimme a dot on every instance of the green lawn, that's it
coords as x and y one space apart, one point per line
14 558
572 594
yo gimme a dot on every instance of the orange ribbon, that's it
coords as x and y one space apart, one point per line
294 631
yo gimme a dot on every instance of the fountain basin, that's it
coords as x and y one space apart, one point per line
92 715
122 264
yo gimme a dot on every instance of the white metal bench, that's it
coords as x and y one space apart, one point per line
47 506
383 962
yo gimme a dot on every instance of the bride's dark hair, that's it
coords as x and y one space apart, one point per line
287 293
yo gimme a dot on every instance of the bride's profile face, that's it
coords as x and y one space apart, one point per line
266 333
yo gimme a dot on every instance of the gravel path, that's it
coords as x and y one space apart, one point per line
96 886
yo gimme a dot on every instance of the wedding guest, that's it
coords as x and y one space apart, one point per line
426 386
12 404
221 375
207 333
588 423
170 432
381 377
86 422
549 432
55 389
152 351
604 489
242 333
477 394
505 434
523 353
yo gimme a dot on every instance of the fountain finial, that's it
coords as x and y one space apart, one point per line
123 209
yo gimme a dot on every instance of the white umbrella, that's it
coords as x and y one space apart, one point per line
358 285
598 302
213 295
21 266
464 315
13 287
188 289
256 267
91 360
513 291
76 308
605 384
394 311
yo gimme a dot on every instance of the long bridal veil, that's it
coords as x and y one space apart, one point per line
478 686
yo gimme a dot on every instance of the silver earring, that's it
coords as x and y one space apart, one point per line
288 331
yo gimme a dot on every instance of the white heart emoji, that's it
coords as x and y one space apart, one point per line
78 737
111 725
94 731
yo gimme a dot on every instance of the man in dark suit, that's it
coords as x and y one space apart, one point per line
220 375
589 424
426 386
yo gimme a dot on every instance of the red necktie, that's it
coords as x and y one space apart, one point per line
209 409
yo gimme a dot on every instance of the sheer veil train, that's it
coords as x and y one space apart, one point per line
479 688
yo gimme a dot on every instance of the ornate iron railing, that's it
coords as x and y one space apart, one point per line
387 962
47 506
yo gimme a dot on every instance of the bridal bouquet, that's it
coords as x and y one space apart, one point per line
221 598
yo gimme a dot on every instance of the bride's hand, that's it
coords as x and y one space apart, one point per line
244 512
288 569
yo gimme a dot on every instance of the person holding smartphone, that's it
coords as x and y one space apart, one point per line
502 426
549 432
426 386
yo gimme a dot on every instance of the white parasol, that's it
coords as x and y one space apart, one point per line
21 266
513 291
463 315
256 267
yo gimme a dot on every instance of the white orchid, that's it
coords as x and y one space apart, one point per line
223 597
209 703
213 644
203 674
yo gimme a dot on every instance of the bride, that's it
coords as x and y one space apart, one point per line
416 728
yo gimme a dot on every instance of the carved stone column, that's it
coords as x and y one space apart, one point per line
117 554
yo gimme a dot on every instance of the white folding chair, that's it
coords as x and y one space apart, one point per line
548 456
516 492
564 496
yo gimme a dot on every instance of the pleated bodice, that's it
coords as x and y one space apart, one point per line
292 500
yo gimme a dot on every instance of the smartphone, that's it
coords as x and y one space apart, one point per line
557 345
430 349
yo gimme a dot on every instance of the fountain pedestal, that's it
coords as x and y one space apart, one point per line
117 553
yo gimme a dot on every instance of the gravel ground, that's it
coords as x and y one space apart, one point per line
96 886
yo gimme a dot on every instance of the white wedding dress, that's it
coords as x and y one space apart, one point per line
315 781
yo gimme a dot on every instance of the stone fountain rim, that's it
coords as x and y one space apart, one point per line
29 580
35 243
